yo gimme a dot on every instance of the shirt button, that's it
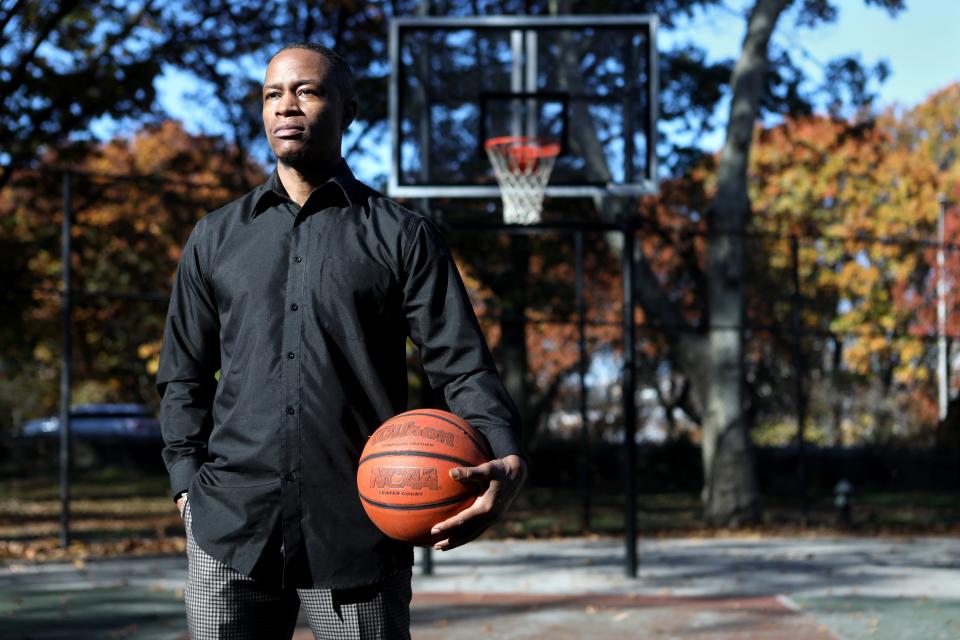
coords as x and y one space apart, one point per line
291 355
289 477
297 259
293 307
291 411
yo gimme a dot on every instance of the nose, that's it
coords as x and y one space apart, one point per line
287 103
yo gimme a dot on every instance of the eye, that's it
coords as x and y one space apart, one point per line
307 91
271 95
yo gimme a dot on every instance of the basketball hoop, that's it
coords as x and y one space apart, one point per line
522 165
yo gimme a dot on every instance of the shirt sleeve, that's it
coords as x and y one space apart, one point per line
453 351
189 360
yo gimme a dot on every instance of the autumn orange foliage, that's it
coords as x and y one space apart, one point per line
133 203
862 197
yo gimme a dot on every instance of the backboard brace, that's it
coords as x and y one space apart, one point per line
588 82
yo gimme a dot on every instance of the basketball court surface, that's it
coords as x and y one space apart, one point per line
603 617
723 588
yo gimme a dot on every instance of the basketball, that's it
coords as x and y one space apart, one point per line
404 474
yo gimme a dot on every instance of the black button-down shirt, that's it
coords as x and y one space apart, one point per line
305 313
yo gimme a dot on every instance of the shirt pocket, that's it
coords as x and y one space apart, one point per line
353 299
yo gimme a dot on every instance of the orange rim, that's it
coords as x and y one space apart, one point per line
524 147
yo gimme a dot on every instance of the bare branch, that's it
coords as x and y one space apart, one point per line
43 33
5 19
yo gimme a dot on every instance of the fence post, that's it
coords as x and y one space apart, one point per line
65 355
582 366
629 406
798 377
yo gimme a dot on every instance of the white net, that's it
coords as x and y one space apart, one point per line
522 166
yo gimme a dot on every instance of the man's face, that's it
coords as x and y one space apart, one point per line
304 111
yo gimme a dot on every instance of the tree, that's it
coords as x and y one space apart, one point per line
527 308
134 201
71 64
712 357
224 45
67 64
730 495
861 194
216 39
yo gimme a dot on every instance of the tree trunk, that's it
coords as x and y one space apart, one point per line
730 494
712 361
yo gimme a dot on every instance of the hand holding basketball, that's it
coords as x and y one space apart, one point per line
403 477
499 481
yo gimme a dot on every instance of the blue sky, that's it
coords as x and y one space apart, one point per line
920 44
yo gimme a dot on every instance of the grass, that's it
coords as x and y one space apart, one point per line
124 511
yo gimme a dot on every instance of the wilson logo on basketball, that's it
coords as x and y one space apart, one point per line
411 428
404 478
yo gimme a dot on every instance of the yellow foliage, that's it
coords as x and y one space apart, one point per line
857 192
911 349
150 353
42 353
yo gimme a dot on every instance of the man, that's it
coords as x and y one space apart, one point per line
301 294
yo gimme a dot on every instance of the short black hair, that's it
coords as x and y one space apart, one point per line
344 74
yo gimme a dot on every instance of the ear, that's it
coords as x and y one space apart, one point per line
349 113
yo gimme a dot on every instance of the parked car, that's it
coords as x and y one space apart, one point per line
100 420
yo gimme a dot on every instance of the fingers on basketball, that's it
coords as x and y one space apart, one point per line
404 478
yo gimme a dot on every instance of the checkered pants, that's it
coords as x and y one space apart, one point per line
224 604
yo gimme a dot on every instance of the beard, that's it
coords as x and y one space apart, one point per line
298 160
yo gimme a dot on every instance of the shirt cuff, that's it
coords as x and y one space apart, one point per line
504 443
181 475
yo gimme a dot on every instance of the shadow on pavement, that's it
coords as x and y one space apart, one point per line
84 614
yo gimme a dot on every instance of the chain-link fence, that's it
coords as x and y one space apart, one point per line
841 340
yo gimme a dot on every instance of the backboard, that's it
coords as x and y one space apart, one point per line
588 82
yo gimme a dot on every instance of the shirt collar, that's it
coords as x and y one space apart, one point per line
340 189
